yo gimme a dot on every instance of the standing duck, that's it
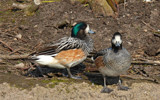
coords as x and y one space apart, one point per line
67 52
113 61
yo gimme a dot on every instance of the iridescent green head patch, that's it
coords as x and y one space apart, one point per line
77 28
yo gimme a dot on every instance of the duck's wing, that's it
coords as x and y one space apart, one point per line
51 50
101 53
65 43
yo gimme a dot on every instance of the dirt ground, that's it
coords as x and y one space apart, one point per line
139 24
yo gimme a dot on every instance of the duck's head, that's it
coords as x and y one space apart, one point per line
117 41
80 30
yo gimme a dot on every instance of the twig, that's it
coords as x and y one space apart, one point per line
137 77
14 57
7 9
14 51
6 45
21 6
124 5
38 45
146 62
149 26
135 62
156 33
25 56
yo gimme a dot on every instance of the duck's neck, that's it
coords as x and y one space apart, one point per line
89 41
115 48
89 44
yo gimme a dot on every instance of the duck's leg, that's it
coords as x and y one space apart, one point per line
71 76
105 88
121 87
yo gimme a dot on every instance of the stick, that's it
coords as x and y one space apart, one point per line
148 25
21 6
137 77
156 34
25 56
155 31
14 57
124 5
6 45
7 9
146 62
135 62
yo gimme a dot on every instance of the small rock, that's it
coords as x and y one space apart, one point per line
35 26
128 15
145 30
37 2
20 65
15 39
19 36
1 60
129 43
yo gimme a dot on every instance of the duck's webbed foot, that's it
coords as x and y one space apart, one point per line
75 77
71 76
106 90
121 87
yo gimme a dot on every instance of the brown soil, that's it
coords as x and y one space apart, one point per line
83 91
139 24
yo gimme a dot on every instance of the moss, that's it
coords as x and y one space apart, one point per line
157 32
54 81
23 22
81 1
4 16
49 1
23 82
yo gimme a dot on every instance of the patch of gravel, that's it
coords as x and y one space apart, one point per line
80 91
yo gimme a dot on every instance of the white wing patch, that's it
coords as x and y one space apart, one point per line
49 61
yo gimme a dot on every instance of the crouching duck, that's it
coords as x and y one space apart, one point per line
113 61
67 52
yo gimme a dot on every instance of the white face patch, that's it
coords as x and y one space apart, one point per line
117 39
87 29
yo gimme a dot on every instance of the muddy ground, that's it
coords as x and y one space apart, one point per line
139 24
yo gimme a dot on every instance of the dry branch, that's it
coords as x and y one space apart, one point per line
146 62
156 33
148 25
103 7
137 77
14 57
5 44
135 62
29 9
25 56
20 5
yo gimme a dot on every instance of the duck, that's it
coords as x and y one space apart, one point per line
113 62
67 52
